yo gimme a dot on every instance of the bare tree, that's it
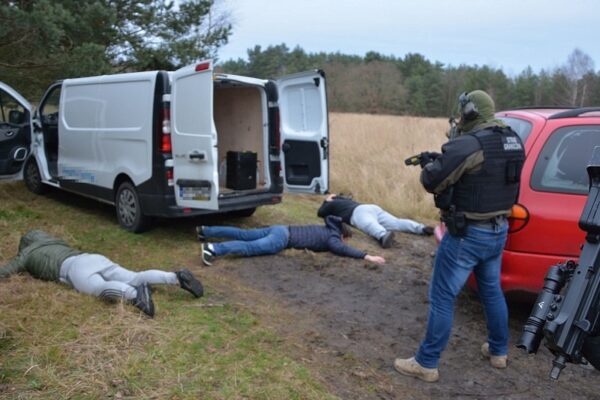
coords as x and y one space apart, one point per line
578 65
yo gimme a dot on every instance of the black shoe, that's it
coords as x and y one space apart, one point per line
200 233
188 281
143 300
427 231
386 240
207 254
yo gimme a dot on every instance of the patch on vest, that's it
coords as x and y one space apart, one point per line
511 143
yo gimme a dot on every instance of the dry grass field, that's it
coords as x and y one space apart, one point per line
367 160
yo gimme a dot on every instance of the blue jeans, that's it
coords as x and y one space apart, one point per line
249 242
480 252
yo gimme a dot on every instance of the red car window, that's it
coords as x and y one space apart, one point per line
561 165
520 126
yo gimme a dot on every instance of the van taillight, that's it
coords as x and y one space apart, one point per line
165 146
518 218
169 175
165 142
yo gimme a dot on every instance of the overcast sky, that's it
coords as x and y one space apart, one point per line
507 34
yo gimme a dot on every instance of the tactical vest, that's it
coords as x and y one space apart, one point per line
496 185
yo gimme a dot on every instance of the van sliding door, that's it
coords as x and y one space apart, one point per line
194 137
304 132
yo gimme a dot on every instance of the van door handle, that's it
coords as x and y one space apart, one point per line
196 155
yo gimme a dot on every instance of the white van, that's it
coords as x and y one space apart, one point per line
154 144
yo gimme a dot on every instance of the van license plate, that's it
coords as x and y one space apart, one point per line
194 193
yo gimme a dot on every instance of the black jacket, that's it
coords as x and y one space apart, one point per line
338 206
485 189
326 237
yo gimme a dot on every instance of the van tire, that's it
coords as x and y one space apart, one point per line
33 178
129 209
246 212
591 350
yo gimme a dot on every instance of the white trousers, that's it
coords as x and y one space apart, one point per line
375 222
97 275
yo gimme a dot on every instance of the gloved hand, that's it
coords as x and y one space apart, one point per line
427 157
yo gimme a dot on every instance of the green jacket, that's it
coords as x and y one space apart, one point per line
41 255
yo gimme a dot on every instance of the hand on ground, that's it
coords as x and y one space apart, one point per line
375 259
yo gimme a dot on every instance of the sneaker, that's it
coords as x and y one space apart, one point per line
200 233
386 240
410 367
189 282
207 254
143 299
427 231
496 361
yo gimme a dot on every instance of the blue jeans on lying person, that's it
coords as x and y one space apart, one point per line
478 251
248 242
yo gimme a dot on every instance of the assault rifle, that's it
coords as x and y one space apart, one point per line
566 320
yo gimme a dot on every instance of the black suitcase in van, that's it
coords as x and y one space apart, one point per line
241 170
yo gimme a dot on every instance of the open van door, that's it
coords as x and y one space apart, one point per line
15 130
304 131
194 137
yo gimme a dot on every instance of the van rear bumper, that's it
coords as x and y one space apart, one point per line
164 205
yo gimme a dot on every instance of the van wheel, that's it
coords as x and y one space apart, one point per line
129 209
246 212
33 178
591 350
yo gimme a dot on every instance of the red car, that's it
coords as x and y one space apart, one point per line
554 185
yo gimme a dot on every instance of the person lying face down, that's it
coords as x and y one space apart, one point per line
370 219
48 258
275 238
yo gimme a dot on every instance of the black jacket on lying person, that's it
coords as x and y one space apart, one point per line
326 237
339 206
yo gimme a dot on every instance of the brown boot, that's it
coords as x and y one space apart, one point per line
410 367
496 361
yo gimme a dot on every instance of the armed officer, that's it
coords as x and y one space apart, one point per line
475 182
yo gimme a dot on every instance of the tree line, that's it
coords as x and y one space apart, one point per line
413 85
45 40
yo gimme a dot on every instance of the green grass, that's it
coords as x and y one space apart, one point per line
56 343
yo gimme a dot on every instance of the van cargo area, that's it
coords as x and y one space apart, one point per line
240 116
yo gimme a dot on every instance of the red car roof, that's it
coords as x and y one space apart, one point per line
544 113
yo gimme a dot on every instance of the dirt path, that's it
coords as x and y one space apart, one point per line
347 321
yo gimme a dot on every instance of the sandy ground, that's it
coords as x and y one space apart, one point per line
347 320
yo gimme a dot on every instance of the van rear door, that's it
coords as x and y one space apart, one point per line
304 132
194 137
15 130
